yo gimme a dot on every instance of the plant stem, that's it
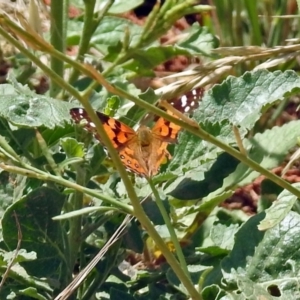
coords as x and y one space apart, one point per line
48 71
90 24
58 35
35 173
172 232
76 223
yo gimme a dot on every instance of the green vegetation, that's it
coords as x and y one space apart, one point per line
69 208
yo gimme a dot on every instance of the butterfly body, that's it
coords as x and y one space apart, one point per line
141 151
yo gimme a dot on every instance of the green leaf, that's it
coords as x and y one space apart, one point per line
197 155
32 293
40 233
223 235
234 101
198 40
269 259
122 6
241 100
96 156
53 136
279 209
265 150
145 60
135 113
72 148
23 255
118 6
213 292
111 31
6 191
188 188
118 295
112 104
27 109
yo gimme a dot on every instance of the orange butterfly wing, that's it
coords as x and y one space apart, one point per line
119 133
122 137
166 130
141 152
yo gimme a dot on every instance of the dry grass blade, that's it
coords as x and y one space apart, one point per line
27 33
67 292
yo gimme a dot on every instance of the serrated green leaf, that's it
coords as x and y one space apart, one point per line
32 110
265 150
279 209
40 233
188 188
253 291
72 148
197 155
223 235
198 40
111 31
145 60
266 258
240 100
112 104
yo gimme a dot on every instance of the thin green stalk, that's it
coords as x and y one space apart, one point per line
224 30
76 223
251 7
170 227
150 24
46 152
90 24
147 224
23 149
53 75
65 274
87 32
26 74
38 174
58 37
237 21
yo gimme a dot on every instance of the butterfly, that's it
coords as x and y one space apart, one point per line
141 151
